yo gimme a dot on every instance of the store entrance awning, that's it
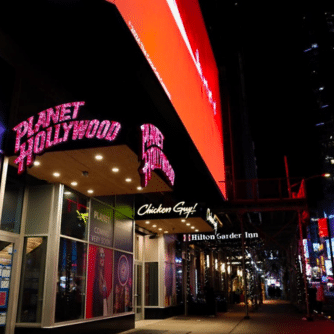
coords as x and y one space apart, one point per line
115 172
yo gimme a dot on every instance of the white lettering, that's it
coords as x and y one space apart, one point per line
184 210
179 208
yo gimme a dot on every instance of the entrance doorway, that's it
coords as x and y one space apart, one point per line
139 314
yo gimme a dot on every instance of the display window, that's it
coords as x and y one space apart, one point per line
151 284
32 282
99 282
75 215
12 204
101 224
123 236
71 281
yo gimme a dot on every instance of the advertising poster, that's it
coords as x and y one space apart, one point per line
122 282
101 224
99 282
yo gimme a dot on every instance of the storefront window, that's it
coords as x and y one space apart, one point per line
32 282
123 235
12 204
70 303
75 215
99 282
151 284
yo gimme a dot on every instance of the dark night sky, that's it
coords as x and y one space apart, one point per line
280 111
277 92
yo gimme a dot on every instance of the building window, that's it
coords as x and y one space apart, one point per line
70 301
75 215
151 284
32 282
12 204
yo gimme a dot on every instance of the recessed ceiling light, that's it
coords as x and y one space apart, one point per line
115 169
196 230
74 183
160 229
90 191
128 180
166 232
139 188
188 224
154 225
183 220
36 163
56 174
98 157
147 222
192 227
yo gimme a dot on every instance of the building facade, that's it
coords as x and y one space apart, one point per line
101 130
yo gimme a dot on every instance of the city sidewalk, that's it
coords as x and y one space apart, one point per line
274 316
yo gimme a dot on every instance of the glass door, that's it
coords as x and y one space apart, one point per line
6 261
138 291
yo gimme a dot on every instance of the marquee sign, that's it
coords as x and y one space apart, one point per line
153 156
54 126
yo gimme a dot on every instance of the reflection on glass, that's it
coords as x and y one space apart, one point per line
6 252
71 281
138 292
32 282
75 215
123 235
12 204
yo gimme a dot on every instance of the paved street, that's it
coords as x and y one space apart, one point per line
274 316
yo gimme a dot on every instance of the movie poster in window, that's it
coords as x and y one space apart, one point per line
101 224
122 282
99 282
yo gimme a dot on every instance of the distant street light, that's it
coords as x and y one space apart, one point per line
306 179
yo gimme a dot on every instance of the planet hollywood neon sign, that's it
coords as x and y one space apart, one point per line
153 156
54 126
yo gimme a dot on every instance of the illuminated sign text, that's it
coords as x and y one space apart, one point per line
178 208
218 236
153 156
54 126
